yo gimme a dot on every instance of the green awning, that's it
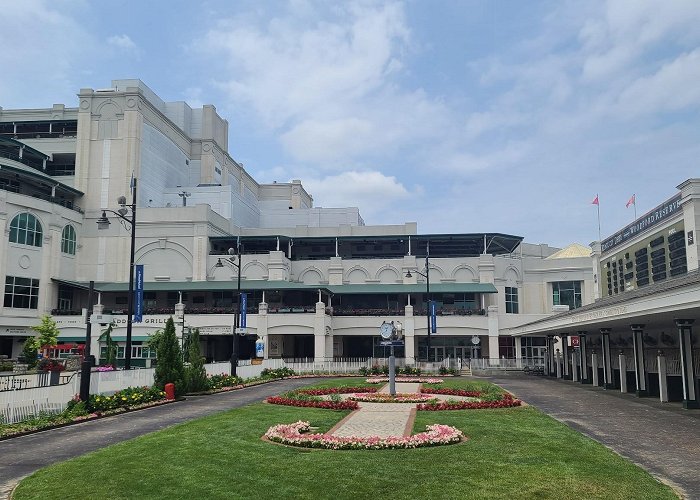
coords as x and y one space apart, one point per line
417 288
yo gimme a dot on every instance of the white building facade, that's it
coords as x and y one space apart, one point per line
318 281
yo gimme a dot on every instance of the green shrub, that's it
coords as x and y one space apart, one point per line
363 371
169 368
131 396
376 370
442 370
195 374
385 369
277 372
220 381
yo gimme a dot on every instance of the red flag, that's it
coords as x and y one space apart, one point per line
631 201
595 202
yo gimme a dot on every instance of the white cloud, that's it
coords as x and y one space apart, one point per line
123 42
674 87
371 191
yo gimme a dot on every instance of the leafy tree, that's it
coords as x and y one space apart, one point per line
154 340
29 351
169 368
48 331
111 351
195 374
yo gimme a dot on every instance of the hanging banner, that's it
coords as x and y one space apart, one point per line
138 305
433 317
244 308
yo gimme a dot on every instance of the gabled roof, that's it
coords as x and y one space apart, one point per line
573 251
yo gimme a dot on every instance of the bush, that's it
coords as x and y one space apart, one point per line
131 396
277 372
442 370
385 369
195 374
220 381
169 368
50 365
364 371
376 370
6 366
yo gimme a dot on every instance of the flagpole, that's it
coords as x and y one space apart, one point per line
635 207
598 207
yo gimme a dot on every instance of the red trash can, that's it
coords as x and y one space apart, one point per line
170 391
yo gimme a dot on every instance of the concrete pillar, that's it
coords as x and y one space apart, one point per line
493 334
574 365
551 371
594 364
518 350
607 359
320 335
262 328
690 383
663 383
623 372
583 356
640 372
409 332
558 362
565 354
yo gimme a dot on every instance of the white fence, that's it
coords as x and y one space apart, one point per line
505 364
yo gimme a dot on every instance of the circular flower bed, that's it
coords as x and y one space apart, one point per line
335 390
295 435
382 397
418 380
289 400
506 402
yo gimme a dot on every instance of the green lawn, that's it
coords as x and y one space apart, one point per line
511 453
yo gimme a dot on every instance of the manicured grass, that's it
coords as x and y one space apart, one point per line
511 453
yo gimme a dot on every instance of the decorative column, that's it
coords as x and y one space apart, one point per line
663 382
623 372
640 371
690 384
583 351
551 371
565 355
321 335
409 332
574 365
607 359
594 362
558 364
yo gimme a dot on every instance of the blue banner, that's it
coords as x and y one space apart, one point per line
244 307
138 306
433 317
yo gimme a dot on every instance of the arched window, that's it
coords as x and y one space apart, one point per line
25 229
68 240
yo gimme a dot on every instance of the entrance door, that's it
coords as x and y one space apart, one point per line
438 353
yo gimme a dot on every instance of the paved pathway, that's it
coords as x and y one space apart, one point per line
660 437
21 456
380 419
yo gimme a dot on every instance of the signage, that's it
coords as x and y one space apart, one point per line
101 319
138 307
244 308
575 341
690 238
395 343
433 317
259 348
650 219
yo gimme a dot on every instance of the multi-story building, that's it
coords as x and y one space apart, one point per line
318 281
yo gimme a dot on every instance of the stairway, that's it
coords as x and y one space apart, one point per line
466 371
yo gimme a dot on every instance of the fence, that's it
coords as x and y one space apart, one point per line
505 363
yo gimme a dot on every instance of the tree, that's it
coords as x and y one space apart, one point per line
195 374
48 331
111 351
169 368
29 351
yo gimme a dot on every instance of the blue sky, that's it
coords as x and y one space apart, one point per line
463 116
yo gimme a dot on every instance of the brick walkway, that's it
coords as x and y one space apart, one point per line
660 437
380 419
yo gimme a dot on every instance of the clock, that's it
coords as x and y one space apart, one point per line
386 330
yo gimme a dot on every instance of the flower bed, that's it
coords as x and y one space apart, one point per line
451 392
128 397
506 402
313 403
418 380
382 397
335 390
294 435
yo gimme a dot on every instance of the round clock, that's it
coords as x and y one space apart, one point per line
386 330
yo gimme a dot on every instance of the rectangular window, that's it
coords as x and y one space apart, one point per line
149 300
21 293
511 300
567 293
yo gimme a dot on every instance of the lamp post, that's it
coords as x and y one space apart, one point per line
103 223
237 315
427 292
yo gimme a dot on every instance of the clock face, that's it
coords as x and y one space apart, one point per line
386 330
